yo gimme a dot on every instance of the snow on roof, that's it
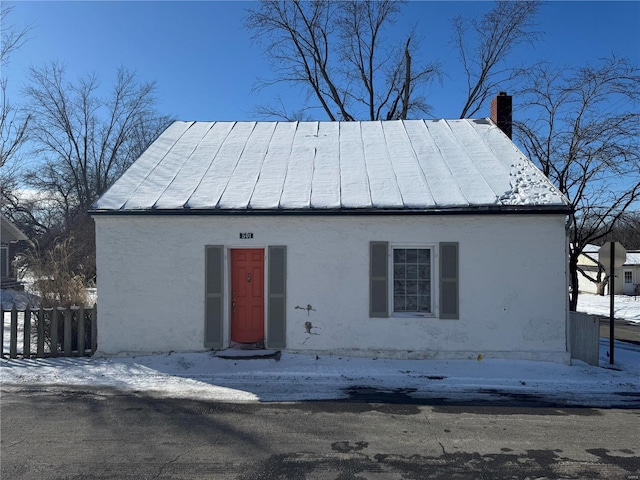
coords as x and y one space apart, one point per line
591 248
411 165
633 258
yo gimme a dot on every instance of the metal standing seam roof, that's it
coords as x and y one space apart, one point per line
403 165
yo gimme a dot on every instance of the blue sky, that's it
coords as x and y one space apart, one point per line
205 64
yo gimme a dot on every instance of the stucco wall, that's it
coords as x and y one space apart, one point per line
512 283
591 267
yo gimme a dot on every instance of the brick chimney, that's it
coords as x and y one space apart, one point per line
501 112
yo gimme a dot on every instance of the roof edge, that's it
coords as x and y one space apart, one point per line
18 235
478 210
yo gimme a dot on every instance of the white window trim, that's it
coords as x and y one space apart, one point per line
434 280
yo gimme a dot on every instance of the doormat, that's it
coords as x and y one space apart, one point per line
247 354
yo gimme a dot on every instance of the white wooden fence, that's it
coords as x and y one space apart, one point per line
48 332
584 337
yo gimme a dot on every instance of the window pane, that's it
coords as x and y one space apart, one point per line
399 287
424 287
399 255
412 272
424 303
424 272
412 303
399 271
412 256
412 287
424 255
398 304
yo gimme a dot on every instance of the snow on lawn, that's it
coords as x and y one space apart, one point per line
296 377
625 306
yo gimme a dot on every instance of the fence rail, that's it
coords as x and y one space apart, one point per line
49 332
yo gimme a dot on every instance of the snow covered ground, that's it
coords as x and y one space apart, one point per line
295 377
304 377
625 306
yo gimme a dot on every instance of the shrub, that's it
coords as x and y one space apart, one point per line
55 282
58 285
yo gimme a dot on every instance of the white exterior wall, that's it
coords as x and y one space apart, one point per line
512 283
588 265
624 289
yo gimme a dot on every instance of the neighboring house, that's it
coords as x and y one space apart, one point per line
627 279
588 263
10 235
417 239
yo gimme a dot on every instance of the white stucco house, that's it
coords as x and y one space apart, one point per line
412 239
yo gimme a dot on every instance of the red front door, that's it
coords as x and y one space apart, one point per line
247 295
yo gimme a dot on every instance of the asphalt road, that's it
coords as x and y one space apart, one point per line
622 330
106 434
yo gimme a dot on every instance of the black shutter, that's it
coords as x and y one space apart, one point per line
378 279
449 271
276 315
214 288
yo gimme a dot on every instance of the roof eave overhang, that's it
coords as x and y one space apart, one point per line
11 233
466 210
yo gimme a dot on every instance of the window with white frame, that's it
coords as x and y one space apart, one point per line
405 280
412 280
628 276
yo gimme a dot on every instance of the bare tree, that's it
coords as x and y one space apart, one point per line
626 231
584 133
484 44
12 37
278 109
13 135
337 51
13 124
86 142
83 141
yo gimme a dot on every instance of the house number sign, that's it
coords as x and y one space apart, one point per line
246 235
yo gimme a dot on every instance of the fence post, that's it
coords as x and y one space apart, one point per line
68 313
13 342
40 326
26 348
53 334
94 329
81 340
